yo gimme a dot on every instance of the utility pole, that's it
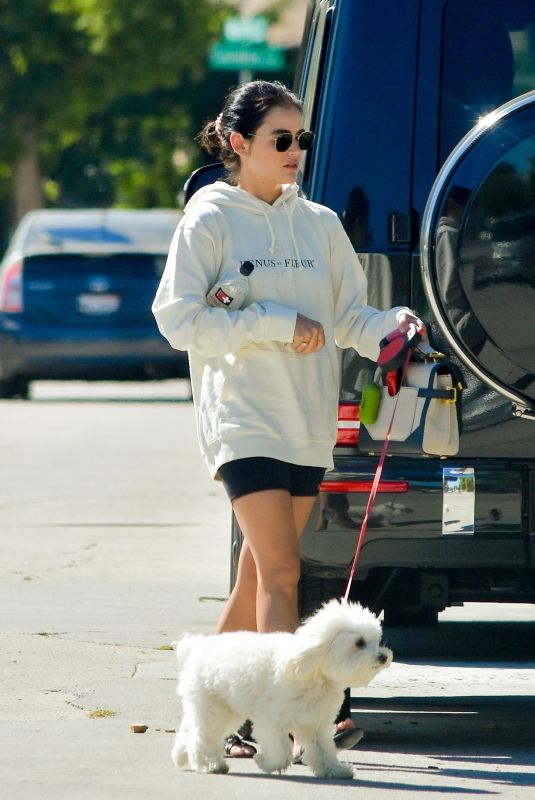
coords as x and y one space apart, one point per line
245 75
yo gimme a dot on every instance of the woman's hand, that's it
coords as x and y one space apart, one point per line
309 336
406 320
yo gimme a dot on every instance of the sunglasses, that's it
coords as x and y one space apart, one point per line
283 141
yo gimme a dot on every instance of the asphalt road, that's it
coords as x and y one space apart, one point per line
114 540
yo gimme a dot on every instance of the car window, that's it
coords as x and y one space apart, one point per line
488 57
64 234
314 63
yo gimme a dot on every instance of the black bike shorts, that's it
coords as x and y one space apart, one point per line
247 475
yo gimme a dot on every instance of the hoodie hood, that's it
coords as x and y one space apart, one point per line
223 194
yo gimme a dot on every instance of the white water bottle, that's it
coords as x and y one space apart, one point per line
231 289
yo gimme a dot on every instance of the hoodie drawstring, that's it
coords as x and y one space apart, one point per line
288 210
271 231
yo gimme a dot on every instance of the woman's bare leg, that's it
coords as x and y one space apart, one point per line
240 610
302 508
239 613
267 523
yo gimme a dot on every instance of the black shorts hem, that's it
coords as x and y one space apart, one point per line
258 473
245 492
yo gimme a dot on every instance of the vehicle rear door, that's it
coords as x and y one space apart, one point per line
360 165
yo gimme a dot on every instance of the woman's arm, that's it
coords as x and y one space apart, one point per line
357 324
187 322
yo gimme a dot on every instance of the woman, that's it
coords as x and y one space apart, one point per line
265 377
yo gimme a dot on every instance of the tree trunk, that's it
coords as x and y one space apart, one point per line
27 175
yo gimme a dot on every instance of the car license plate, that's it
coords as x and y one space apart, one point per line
98 304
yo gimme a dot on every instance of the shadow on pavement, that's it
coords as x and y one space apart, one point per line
507 641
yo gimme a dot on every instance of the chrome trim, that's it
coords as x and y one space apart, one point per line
310 74
523 412
426 241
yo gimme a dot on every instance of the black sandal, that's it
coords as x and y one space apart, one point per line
235 740
345 740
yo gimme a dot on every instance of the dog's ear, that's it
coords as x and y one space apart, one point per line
307 658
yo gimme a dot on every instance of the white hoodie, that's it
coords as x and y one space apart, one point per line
253 395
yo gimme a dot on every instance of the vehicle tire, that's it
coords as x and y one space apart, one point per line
313 591
409 616
14 388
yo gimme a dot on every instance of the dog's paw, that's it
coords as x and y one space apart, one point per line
217 768
179 755
269 765
340 770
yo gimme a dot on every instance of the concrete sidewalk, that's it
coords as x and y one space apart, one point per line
114 540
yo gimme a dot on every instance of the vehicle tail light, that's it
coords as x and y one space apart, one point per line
348 436
348 424
363 487
11 289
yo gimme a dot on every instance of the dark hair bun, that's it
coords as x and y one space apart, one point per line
210 139
244 110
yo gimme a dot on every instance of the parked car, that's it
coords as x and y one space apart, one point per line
76 288
425 122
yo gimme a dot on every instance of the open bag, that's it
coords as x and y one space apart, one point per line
427 411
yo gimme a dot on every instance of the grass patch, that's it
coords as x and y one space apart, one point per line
101 713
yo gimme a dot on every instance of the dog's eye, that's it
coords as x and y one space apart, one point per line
360 643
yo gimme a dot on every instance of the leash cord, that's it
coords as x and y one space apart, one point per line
375 484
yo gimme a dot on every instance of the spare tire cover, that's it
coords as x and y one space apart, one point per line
478 250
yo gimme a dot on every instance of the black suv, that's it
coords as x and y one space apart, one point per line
425 147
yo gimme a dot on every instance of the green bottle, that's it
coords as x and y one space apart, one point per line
369 403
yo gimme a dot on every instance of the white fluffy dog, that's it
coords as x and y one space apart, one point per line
286 683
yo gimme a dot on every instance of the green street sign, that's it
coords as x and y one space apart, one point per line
233 56
251 29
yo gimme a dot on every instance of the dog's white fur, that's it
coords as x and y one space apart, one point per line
286 683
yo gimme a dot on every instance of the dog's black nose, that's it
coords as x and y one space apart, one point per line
382 658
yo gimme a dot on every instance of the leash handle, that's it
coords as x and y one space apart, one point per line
375 484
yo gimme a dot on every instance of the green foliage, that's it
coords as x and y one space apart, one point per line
145 43
62 62
116 91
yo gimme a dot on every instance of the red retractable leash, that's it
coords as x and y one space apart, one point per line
393 359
